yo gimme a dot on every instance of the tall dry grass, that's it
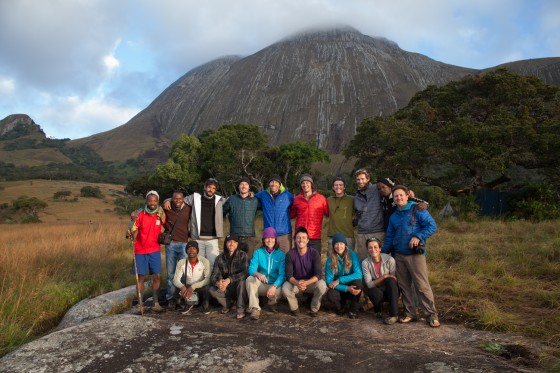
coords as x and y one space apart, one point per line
46 268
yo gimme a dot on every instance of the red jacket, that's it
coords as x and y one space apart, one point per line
149 228
309 214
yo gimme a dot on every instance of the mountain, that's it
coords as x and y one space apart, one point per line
315 86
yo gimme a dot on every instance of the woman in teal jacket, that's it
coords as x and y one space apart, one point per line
343 274
407 233
266 274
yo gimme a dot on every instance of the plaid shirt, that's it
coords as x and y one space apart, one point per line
232 267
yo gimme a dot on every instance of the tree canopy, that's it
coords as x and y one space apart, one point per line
466 134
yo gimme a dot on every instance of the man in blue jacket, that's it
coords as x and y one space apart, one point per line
276 202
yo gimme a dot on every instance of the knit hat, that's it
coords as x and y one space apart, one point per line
192 244
385 180
244 179
274 177
306 177
269 233
152 192
232 236
339 237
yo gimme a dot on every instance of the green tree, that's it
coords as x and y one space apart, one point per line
297 158
181 171
466 134
233 151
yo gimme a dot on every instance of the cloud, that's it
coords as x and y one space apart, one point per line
123 54
70 117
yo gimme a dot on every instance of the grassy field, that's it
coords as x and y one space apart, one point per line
488 274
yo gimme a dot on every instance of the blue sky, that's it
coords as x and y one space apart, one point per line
80 67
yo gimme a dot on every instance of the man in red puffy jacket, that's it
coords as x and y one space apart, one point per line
308 208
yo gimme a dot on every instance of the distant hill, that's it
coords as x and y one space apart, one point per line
315 86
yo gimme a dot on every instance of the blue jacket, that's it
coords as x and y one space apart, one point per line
272 265
401 229
276 211
355 272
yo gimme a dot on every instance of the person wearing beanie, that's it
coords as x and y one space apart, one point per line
304 274
276 202
228 277
343 275
341 211
144 230
368 212
308 209
193 274
266 274
241 209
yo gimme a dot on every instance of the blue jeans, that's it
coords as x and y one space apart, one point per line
174 252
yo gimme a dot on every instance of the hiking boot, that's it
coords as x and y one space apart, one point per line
255 314
390 320
156 308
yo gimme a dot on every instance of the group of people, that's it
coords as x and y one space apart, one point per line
384 260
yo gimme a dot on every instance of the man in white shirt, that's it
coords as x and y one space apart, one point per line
193 274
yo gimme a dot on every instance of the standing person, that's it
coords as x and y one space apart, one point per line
266 273
177 222
341 212
343 275
145 230
408 230
304 272
242 210
207 219
380 280
384 186
276 202
369 214
228 277
193 274
308 208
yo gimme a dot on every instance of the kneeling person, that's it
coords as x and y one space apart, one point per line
228 277
193 274
303 274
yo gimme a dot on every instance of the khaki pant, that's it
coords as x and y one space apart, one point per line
256 289
361 239
285 243
318 289
412 269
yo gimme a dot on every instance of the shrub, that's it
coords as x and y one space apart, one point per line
91 192
62 194
125 205
535 202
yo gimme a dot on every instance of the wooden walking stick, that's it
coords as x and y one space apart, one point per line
140 301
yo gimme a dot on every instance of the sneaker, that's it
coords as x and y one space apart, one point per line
353 315
255 313
390 320
156 308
